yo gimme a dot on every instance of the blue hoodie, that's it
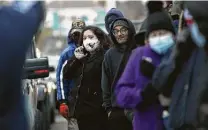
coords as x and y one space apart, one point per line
112 15
64 86
19 22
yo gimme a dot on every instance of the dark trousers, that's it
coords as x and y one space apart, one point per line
92 122
118 121
186 127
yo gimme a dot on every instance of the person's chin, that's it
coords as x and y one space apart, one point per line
121 42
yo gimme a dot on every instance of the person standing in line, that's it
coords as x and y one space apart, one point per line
183 76
160 38
88 58
65 87
112 15
122 34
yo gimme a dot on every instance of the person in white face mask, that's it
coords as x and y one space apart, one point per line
88 59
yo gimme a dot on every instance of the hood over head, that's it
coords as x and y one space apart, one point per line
112 15
132 32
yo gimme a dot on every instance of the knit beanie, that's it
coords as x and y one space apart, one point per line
158 18
120 23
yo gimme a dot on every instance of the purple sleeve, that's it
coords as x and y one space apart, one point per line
127 91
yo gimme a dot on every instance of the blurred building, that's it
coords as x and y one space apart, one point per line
60 15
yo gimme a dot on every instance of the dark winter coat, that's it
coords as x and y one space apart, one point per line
89 101
183 77
113 65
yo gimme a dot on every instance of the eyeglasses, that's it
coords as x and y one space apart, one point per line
123 31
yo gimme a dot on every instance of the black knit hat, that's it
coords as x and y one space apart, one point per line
158 18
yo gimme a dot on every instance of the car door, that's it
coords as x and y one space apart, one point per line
30 90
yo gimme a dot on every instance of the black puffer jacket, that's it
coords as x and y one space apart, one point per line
89 101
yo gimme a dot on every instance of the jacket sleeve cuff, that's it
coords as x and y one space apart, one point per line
62 101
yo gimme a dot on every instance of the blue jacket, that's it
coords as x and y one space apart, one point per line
64 86
17 28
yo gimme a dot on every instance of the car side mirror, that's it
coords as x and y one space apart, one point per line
36 68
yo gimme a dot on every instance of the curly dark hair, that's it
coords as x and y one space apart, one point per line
101 35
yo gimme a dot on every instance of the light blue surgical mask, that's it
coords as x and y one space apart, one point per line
161 44
196 35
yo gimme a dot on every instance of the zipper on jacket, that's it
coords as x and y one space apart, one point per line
80 83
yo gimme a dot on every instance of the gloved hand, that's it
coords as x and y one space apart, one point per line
80 53
64 110
149 95
146 67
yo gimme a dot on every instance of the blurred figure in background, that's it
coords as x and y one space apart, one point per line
122 33
15 40
160 38
175 11
140 36
88 58
65 86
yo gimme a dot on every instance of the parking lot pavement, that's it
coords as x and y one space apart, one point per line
60 123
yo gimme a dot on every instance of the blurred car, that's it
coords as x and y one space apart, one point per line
46 96
52 48
36 90
46 101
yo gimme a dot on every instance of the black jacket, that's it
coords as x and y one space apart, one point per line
113 65
89 99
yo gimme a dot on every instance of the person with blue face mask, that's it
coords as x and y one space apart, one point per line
160 38
182 77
